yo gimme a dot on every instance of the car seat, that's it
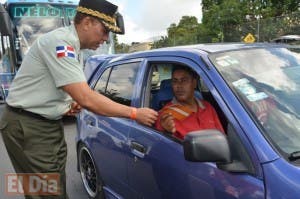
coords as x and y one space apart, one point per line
163 95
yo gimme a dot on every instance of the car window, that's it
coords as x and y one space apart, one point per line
160 72
160 94
161 89
121 83
102 82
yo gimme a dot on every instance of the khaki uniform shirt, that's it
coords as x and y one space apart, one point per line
52 62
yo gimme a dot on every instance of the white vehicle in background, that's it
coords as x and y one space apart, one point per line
288 39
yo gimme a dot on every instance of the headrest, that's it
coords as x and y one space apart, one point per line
166 83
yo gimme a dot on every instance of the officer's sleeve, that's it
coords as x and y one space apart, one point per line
62 62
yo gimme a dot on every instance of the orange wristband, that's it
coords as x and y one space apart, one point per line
133 113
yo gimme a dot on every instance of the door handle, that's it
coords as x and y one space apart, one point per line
88 118
89 122
138 149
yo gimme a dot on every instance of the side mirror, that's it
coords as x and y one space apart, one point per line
206 146
120 23
5 24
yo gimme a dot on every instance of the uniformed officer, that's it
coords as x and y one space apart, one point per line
49 80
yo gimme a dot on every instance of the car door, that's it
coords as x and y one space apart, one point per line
110 134
157 167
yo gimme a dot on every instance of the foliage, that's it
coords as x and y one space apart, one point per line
232 20
186 32
120 48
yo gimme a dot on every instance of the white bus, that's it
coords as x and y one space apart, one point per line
22 21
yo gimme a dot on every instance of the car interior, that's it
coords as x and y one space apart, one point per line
160 89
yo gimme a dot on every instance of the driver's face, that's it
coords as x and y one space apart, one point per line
183 85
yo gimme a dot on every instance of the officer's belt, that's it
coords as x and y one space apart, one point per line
26 113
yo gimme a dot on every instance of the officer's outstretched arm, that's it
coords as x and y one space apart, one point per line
102 105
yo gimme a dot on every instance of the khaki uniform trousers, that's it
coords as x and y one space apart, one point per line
35 145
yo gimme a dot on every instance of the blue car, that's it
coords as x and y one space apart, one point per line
255 90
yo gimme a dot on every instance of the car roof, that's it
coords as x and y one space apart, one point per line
191 51
219 47
198 49
93 62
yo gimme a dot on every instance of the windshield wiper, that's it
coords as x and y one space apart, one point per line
294 156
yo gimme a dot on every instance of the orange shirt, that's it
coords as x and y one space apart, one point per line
186 120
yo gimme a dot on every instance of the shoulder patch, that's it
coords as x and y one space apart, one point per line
65 51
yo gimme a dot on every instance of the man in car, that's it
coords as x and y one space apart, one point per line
50 78
186 113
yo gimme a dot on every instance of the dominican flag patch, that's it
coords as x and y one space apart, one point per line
65 51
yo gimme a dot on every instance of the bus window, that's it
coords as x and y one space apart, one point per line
6 70
5 60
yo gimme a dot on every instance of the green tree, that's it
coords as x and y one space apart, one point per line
223 19
120 48
186 32
232 20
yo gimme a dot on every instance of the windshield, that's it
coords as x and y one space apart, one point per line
33 20
267 82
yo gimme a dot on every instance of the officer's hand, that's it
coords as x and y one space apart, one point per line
74 109
146 116
167 122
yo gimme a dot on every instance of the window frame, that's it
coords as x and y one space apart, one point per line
110 66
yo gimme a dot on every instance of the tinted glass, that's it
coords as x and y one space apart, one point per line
267 82
121 83
101 84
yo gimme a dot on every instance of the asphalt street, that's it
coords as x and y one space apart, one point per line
74 184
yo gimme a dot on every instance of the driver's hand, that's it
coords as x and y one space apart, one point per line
167 122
